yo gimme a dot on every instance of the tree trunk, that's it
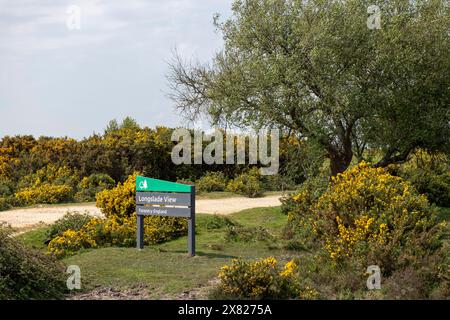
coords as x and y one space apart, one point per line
339 162
340 157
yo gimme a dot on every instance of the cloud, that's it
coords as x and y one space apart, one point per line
55 81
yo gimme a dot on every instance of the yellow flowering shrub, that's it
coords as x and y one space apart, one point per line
375 217
45 193
262 279
119 201
117 231
69 242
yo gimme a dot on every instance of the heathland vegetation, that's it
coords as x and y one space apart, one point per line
364 121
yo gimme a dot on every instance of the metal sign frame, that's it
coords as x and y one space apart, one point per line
165 199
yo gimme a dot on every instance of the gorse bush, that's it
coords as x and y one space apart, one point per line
119 201
71 221
8 202
90 186
27 273
119 227
116 231
429 174
211 181
50 175
248 184
262 279
369 217
213 222
45 193
371 214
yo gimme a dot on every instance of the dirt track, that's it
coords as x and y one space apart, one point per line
29 217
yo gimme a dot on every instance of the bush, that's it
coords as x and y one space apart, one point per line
430 174
211 181
278 182
119 201
28 274
248 184
45 193
238 233
214 222
8 202
371 214
369 217
50 175
262 279
117 231
5 188
435 187
298 230
90 186
71 221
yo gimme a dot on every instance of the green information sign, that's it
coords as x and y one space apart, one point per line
164 198
149 184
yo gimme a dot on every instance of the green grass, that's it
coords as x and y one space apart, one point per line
166 268
35 238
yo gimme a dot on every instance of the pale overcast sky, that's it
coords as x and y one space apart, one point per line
60 82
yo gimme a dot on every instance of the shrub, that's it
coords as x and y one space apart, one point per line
5 188
45 193
247 184
262 279
116 231
70 242
369 217
119 201
50 175
28 274
213 222
71 221
90 186
378 217
299 229
8 202
429 173
211 181
278 182
435 187
238 233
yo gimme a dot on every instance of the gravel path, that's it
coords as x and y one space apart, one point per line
29 217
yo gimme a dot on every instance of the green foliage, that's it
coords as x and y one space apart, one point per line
248 184
435 187
211 181
90 186
8 202
71 221
213 222
315 68
239 233
429 173
278 182
28 274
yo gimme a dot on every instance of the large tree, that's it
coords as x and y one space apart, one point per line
316 68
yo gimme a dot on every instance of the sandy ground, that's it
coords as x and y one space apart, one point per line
25 218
